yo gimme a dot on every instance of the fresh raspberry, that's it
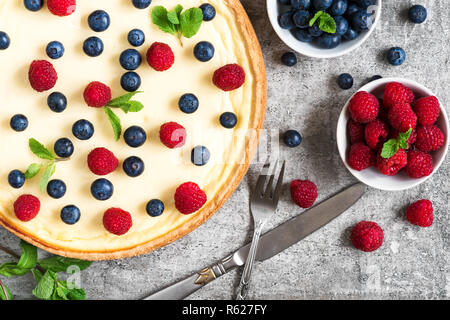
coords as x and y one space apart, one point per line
410 141
367 236
360 157
376 133
420 213
101 161
427 110
392 165
62 7
172 135
189 198
97 94
364 107
26 207
355 131
117 221
160 56
401 117
420 164
42 75
229 77
303 193
395 92
429 138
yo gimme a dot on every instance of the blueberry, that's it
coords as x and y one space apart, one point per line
57 102
133 166
345 81
155 208
300 4
228 120
135 136
417 14
396 56
70 214
292 138
33 5
83 129
55 50
136 37
19 122
361 20
341 25
301 18
56 189
200 155
329 41
375 77
365 3
188 103
322 4
4 41
130 81
209 12
99 20
93 46
102 189
141 4
285 20
302 35
289 59
63 148
130 59
16 179
315 31
204 51
352 9
350 34
338 8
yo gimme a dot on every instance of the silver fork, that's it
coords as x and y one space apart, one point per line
263 204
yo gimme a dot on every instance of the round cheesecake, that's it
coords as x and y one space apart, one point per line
230 148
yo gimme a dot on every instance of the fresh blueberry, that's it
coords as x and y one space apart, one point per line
228 120
209 12
56 189
300 4
4 41
361 20
338 8
329 41
102 189
341 25
136 37
130 81
301 18
365 3
289 59
63 148
155 208
99 20
285 20
133 166
204 51
16 179
130 59
292 138
55 50
141 4
396 56
33 5
417 14
93 46
70 214
375 77
345 81
302 35
57 102
19 122
322 4
350 34
135 136
83 129
352 9
200 155
315 31
188 103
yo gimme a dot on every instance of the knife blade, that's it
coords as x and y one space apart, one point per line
271 243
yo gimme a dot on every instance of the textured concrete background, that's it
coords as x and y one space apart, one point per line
413 263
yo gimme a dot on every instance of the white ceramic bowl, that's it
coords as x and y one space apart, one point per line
310 49
372 176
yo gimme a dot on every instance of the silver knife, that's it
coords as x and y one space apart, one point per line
271 243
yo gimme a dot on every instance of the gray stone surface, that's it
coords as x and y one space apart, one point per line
413 263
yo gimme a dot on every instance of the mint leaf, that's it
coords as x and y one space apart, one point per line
49 171
38 149
4 289
390 148
159 17
132 106
117 102
33 170
76 294
10 269
60 264
45 286
314 19
190 22
174 15
327 23
115 123
403 137
37 274
28 259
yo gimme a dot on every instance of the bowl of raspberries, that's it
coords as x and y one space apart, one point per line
393 134
324 28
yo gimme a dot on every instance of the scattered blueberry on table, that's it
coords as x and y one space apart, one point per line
57 102
19 122
289 59
4 40
209 12
70 214
155 208
345 81
141 4
56 189
130 59
133 166
99 20
93 46
135 136
417 14
102 189
83 129
64 148
130 81
33 5
204 51
292 138
188 103
200 155
136 37
375 77
396 56
55 50
16 179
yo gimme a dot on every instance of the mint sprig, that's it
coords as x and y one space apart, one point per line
391 146
326 22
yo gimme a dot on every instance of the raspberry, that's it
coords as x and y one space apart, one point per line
367 236
412 137
401 117
26 207
364 107
355 131
97 94
229 77
62 7
395 92
101 161
303 193
160 56
360 157
376 133
117 221
429 138
189 198
172 135
392 165
420 213
42 75
427 110
420 164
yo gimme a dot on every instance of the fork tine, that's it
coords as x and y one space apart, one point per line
262 178
269 192
277 192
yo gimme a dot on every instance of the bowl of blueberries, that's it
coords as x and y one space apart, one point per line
324 28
